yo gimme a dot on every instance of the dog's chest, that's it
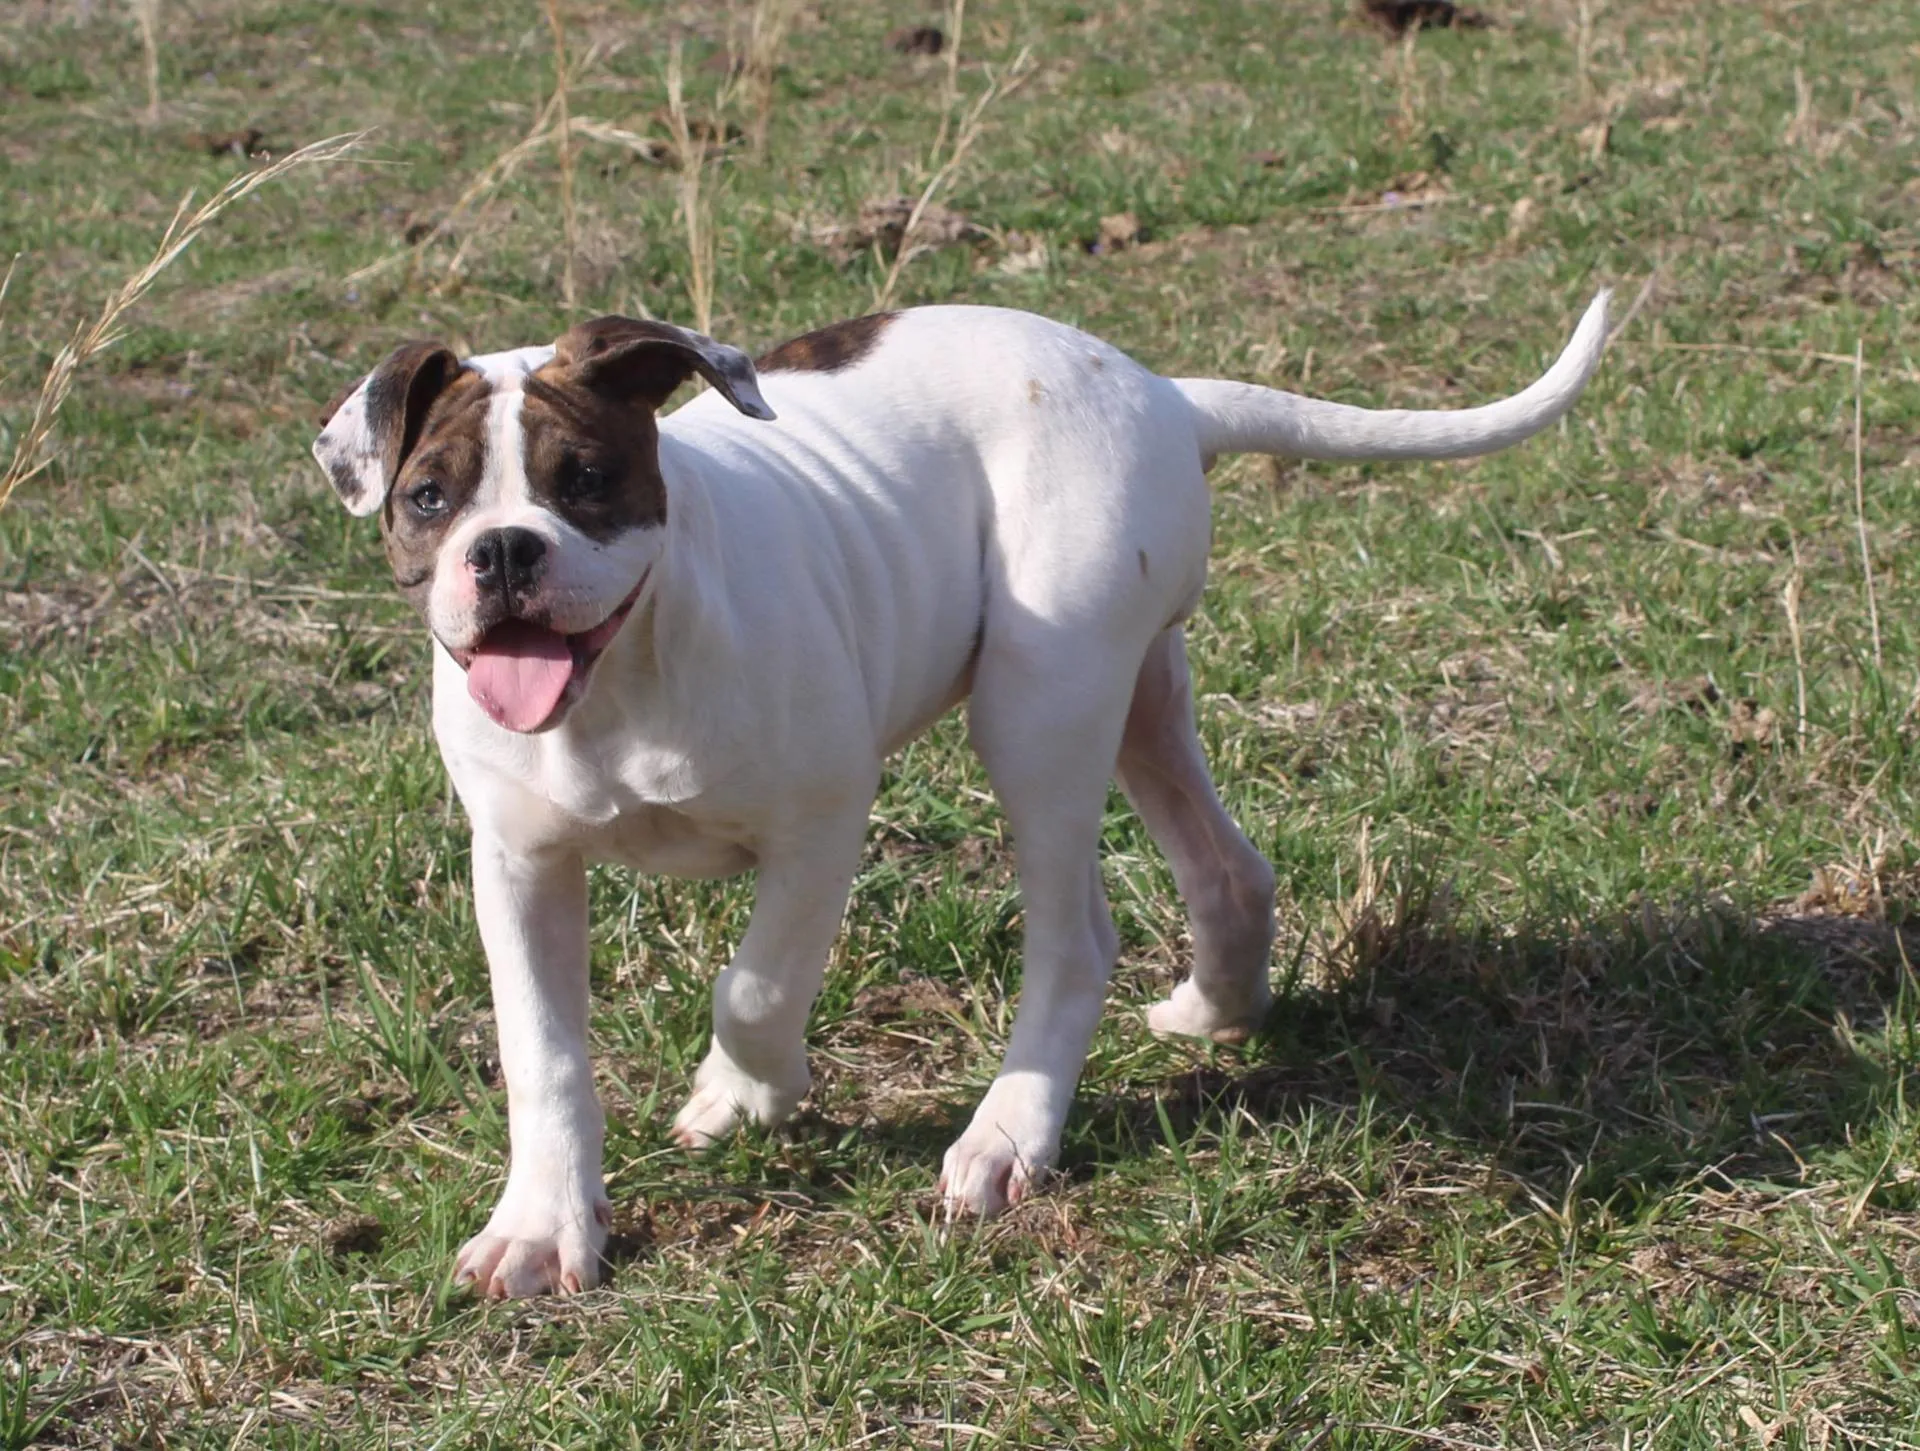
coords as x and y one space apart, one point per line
661 841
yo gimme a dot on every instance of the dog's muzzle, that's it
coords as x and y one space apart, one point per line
525 676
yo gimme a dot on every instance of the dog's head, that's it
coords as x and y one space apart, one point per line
520 494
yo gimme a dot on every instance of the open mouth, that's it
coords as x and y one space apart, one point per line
524 676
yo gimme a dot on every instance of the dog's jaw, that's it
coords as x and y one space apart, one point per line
577 652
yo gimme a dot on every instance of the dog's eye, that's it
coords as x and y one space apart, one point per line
427 499
583 481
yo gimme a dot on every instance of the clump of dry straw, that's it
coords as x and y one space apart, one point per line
89 338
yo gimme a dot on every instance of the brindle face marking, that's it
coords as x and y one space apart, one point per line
436 482
590 459
520 494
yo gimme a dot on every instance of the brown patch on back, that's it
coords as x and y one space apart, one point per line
451 451
829 349
1035 392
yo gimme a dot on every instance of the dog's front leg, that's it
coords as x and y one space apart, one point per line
551 1223
757 1066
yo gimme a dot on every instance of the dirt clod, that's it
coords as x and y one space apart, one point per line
353 1234
917 40
248 141
1397 17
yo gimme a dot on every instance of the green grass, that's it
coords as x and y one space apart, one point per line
1585 1119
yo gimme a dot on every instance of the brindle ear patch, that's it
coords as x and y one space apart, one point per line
644 361
367 433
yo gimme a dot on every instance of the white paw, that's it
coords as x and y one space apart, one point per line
1006 1152
1188 1014
536 1245
724 1094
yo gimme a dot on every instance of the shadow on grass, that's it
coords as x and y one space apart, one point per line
1623 1058
1638 1053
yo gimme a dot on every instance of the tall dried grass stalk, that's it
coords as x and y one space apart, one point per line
146 14
950 86
694 215
1583 51
1860 494
1790 596
1412 102
495 174
970 126
91 338
766 34
564 141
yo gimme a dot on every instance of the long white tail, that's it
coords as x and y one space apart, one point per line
1246 418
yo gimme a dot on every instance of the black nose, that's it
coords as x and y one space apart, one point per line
507 559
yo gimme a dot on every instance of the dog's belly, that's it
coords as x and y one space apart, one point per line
663 842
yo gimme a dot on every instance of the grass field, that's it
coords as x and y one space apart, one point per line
1588 770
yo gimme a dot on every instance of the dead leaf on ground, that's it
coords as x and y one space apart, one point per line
1751 724
917 40
1397 17
1117 233
1023 252
1418 189
1695 694
700 128
1520 217
247 141
883 223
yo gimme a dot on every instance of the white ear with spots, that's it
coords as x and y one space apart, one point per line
368 432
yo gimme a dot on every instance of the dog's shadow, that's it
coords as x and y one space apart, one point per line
1630 1054
1599 1058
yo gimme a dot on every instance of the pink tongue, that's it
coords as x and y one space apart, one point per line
519 673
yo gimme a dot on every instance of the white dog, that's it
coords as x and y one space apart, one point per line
688 644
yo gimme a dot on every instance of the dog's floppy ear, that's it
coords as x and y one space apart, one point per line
367 432
643 362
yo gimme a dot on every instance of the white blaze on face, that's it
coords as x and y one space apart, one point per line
500 502
584 580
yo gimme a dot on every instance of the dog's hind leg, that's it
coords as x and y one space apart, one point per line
1047 725
1226 884
757 1066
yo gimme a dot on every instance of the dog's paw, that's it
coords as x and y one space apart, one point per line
535 1250
706 1118
724 1095
1189 1014
1006 1153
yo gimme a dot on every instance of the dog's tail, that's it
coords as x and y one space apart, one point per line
1246 418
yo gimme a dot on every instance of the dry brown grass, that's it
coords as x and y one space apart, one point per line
767 29
89 339
690 146
947 157
146 15
563 143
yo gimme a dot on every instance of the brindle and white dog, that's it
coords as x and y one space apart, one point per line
688 644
